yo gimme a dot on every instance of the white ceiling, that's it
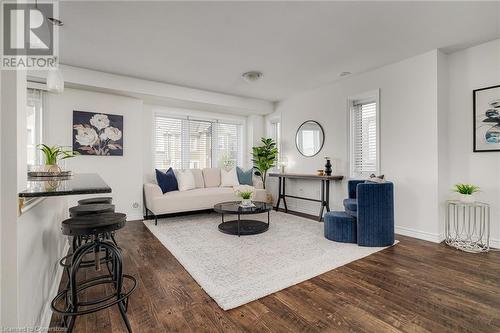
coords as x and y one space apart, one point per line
297 45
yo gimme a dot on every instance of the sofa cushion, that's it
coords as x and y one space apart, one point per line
228 178
245 177
166 180
198 178
185 180
211 177
196 199
351 204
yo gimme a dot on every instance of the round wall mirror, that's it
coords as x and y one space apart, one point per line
310 138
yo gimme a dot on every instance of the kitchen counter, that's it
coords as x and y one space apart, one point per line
84 183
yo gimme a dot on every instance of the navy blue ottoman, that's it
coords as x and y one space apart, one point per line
340 227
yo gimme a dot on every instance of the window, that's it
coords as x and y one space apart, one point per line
276 136
364 151
196 144
34 110
228 150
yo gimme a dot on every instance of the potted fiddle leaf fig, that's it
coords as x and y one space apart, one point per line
264 158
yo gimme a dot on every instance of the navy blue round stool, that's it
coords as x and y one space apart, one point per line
340 227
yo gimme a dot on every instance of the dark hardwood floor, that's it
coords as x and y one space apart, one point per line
416 286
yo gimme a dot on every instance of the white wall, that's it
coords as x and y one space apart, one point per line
443 143
40 246
32 243
256 129
473 68
13 109
123 174
409 141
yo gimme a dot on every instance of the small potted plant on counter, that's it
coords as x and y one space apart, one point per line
52 155
466 192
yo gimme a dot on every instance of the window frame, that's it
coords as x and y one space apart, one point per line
373 96
275 132
39 123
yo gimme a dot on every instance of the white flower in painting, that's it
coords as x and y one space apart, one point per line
99 121
103 136
86 136
113 133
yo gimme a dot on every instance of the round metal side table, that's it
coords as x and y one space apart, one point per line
468 226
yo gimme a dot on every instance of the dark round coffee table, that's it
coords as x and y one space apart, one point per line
243 227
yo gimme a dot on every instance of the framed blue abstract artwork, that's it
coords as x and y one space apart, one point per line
486 104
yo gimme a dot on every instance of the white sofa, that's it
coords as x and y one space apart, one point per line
207 193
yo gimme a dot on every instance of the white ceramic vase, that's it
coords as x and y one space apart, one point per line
246 202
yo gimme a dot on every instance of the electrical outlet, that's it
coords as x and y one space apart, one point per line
135 205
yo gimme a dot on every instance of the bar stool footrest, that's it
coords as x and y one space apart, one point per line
91 283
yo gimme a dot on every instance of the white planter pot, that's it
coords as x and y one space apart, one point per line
246 202
468 198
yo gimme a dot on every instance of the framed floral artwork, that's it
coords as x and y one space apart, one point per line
98 134
486 105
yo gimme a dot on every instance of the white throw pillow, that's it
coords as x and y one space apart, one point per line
185 180
229 178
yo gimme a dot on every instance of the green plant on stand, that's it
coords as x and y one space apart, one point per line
53 154
264 158
466 191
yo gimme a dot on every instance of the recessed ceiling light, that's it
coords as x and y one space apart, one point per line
345 73
252 76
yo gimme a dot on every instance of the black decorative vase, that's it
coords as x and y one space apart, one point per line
328 168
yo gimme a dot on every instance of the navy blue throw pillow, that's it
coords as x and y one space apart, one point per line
167 180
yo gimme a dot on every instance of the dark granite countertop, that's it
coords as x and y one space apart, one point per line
84 183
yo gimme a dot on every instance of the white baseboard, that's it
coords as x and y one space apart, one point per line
495 243
47 312
135 216
424 235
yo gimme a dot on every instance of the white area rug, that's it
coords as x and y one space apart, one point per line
236 270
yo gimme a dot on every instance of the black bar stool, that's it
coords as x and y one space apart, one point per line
90 209
87 210
96 200
93 227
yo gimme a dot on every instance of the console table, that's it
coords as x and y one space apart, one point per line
468 226
325 189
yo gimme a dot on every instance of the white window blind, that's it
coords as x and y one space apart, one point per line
199 141
168 143
228 151
189 143
34 110
364 138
